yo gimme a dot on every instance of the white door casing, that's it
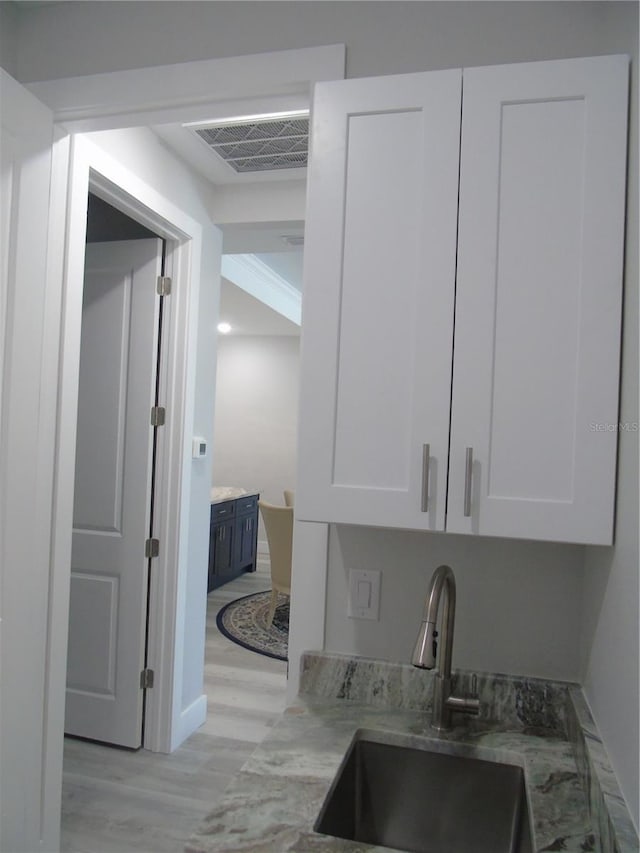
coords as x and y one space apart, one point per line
30 754
538 299
112 497
93 168
379 271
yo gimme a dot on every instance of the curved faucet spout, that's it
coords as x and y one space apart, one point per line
426 649
425 653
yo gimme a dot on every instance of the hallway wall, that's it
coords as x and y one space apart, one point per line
256 415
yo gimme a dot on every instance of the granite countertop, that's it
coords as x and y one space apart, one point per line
219 494
273 802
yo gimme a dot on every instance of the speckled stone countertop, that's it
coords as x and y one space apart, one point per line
228 493
273 802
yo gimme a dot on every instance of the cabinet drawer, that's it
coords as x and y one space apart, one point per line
223 510
247 504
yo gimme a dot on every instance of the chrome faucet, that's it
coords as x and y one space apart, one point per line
425 653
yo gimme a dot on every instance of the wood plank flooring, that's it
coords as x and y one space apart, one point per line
118 801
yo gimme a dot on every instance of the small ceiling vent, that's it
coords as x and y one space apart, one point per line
260 146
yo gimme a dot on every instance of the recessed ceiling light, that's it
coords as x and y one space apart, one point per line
224 328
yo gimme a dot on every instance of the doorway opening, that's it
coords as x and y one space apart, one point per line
254 446
115 474
154 647
258 363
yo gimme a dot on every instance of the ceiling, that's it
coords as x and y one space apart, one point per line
185 142
262 237
248 316
288 265
278 245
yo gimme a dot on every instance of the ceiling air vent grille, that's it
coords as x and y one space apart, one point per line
260 146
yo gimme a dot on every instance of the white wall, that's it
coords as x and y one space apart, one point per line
610 636
262 202
256 415
517 605
8 37
392 37
381 37
141 152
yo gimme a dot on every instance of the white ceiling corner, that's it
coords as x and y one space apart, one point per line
249 316
257 279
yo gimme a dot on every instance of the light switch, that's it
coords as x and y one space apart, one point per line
364 594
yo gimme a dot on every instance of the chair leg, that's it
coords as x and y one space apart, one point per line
272 607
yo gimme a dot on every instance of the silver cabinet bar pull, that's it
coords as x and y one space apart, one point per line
425 478
468 470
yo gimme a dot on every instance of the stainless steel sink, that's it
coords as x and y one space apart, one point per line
416 800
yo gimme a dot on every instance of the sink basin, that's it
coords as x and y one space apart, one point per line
412 799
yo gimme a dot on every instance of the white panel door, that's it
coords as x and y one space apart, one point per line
112 492
379 274
26 471
536 355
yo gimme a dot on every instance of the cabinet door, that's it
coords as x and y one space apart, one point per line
536 355
223 550
245 534
379 280
244 541
221 537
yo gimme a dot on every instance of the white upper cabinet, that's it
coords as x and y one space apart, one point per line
538 300
380 249
523 433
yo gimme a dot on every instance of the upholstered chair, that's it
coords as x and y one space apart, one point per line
278 522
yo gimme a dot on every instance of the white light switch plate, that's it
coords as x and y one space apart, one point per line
364 594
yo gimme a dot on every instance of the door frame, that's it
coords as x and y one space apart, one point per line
94 170
109 101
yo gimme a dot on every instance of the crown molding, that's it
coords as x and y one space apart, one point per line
258 280
186 91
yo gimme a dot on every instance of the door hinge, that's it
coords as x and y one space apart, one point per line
146 678
163 285
158 415
152 547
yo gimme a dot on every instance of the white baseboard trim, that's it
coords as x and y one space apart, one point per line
190 720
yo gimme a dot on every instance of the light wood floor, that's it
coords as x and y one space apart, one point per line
118 801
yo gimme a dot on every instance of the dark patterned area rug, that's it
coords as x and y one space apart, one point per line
244 621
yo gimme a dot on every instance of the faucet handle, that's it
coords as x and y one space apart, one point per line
474 685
